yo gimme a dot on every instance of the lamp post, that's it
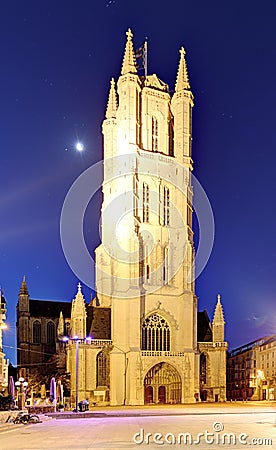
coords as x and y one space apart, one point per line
77 373
21 385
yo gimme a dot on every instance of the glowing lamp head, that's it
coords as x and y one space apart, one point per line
79 147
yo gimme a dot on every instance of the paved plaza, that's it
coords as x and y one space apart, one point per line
226 426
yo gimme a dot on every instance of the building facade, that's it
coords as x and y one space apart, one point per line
42 325
251 370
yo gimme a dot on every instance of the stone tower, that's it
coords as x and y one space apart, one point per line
23 317
144 266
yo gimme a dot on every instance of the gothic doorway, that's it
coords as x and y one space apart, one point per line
161 394
162 384
148 394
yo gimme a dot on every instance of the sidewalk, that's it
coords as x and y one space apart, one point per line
170 410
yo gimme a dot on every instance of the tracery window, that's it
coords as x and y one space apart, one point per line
36 332
101 369
155 333
50 333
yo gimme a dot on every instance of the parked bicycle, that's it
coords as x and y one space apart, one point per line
26 418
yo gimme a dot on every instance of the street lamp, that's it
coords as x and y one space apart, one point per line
21 385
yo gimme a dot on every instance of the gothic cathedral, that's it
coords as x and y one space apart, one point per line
161 349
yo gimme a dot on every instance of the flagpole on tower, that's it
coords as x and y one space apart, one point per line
146 56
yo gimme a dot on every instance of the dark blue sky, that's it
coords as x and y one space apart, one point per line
56 62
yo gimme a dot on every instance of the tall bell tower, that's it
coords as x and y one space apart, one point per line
144 265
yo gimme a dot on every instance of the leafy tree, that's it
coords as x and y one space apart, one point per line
42 374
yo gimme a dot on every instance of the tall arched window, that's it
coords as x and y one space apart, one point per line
155 333
101 369
154 134
145 202
36 332
50 333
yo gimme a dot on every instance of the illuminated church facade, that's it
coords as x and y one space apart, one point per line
144 266
143 341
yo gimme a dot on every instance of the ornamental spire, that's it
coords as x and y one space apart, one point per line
23 288
129 57
60 328
182 80
112 104
218 316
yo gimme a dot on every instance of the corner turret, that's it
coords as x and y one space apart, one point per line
182 103
78 315
112 104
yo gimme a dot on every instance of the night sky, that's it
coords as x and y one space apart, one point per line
57 58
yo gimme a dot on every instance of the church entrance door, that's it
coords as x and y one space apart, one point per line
161 394
165 383
148 394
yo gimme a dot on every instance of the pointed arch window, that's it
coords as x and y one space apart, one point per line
101 369
154 133
155 334
50 333
36 332
145 202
